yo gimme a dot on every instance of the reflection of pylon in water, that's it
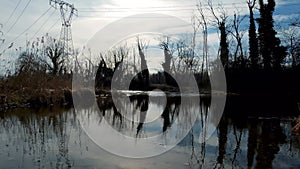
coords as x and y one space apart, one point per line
67 11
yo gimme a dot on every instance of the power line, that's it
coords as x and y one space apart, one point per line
18 17
67 12
11 43
32 24
53 25
13 12
43 25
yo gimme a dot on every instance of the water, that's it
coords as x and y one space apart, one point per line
54 138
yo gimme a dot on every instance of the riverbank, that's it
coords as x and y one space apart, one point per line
39 98
28 98
34 90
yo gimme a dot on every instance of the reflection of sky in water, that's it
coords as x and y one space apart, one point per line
143 138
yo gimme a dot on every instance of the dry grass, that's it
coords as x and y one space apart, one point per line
35 89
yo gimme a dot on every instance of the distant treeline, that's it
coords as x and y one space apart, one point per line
263 67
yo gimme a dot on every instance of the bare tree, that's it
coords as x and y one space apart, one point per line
238 34
187 60
253 41
77 66
119 54
104 74
168 52
144 75
220 22
291 37
203 22
29 63
165 45
54 52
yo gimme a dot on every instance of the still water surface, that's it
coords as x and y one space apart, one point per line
54 138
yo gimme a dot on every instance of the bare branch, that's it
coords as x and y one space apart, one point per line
251 3
210 5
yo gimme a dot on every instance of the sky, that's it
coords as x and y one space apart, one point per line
26 20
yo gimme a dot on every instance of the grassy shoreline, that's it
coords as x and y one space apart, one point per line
40 90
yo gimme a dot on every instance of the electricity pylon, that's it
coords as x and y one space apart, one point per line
67 12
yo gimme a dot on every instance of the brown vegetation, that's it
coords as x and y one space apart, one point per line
35 90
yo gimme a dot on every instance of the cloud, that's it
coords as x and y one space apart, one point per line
284 18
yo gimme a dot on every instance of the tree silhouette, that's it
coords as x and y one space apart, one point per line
220 22
270 49
238 35
54 53
253 42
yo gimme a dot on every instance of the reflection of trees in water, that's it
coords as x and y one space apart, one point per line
263 142
43 136
238 132
243 143
143 105
261 137
252 142
198 152
222 137
170 112
268 142
129 116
